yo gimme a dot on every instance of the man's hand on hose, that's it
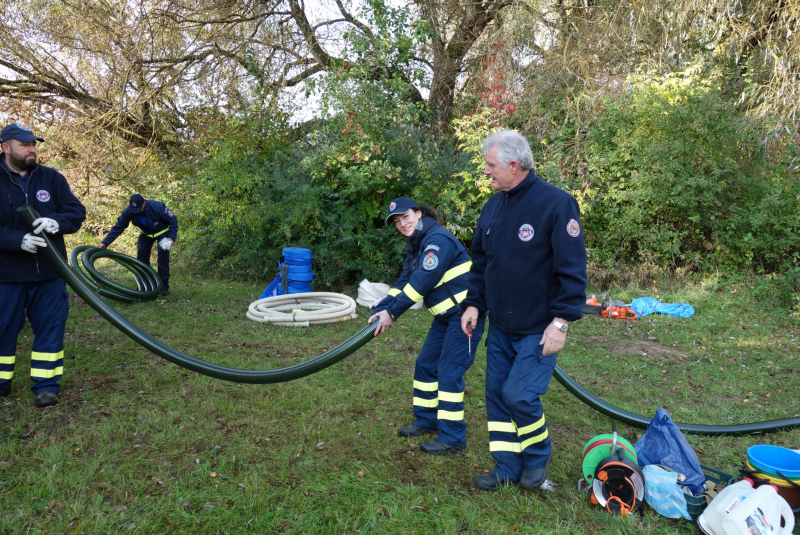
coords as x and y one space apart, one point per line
45 224
101 245
31 243
385 320
470 316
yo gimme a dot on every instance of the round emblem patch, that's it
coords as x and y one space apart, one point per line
573 228
525 232
43 195
431 261
392 206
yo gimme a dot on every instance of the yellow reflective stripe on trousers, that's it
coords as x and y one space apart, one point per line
452 397
430 403
426 387
455 416
502 427
46 374
157 234
537 438
498 445
394 291
7 360
447 304
530 428
451 274
412 293
4 376
47 357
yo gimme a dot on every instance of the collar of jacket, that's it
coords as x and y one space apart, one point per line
412 242
529 180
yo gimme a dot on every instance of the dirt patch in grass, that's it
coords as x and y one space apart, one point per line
622 347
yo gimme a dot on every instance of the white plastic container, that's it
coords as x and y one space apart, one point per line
710 522
762 513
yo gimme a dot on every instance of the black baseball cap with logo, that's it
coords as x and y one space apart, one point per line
400 205
136 203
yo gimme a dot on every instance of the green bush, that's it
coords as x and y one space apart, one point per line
682 177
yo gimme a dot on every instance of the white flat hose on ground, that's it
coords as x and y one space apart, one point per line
306 309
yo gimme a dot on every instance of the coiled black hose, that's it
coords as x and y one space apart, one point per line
148 283
355 342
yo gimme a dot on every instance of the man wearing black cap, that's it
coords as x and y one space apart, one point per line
29 284
157 223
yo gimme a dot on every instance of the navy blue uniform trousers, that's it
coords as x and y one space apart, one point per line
143 249
439 379
47 307
517 375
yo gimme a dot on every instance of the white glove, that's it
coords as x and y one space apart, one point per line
165 244
31 243
45 223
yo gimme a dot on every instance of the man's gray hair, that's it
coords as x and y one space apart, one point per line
511 146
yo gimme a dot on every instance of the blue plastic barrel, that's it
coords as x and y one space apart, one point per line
294 273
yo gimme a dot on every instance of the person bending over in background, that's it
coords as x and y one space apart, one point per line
529 273
28 283
155 221
435 269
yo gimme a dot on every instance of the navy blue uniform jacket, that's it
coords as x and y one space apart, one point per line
159 218
48 192
435 269
528 258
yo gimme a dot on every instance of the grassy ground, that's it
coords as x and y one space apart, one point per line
139 445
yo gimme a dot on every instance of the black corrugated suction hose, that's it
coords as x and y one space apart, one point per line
343 350
148 283
642 422
355 342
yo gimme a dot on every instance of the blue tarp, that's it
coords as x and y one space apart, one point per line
644 306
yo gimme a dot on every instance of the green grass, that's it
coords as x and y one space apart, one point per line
139 445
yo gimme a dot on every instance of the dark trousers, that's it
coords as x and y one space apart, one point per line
47 307
517 375
145 247
439 379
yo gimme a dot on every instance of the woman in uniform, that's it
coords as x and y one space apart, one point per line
435 270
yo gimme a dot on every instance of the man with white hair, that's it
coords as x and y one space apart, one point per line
529 272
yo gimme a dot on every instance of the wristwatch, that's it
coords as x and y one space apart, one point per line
560 326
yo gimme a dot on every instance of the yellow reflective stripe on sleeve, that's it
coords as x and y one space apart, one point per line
46 374
455 416
447 304
47 357
530 428
451 274
6 375
426 387
7 360
412 293
430 403
394 291
157 234
537 438
453 397
497 445
503 427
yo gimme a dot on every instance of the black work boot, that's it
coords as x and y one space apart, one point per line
533 479
46 398
414 430
435 447
490 482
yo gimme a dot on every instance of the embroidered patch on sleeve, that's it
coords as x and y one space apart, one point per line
573 228
430 262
